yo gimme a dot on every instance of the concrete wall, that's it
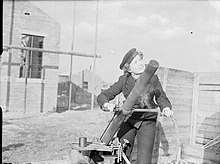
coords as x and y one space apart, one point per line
41 93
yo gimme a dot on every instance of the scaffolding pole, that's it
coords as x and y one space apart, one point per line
6 47
26 49
26 68
94 58
71 60
10 55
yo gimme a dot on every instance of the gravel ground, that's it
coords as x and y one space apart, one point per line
48 136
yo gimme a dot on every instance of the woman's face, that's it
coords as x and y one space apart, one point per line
137 65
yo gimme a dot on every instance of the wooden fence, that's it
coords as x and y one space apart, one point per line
207 106
195 99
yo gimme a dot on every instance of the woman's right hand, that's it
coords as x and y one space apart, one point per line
108 107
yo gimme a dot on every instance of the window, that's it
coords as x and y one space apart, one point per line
31 61
85 85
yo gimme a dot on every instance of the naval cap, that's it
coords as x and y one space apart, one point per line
129 56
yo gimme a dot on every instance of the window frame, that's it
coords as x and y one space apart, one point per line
27 54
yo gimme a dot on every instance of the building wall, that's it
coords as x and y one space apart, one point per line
87 76
41 93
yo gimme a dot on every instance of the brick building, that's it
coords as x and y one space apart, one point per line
81 87
26 25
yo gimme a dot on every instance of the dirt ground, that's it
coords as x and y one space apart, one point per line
48 136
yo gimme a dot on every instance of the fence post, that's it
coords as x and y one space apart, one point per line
194 109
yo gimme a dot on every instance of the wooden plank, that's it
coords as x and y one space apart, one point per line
208 121
199 155
212 116
210 81
204 141
208 128
181 108
209 107
175 72
206 100
180 76
208 114
183 122
182 129
209 74
182 115
213 147
196 160
209 94
209 88
184 103
209 78
179 91
200 139
180 97
207 135
177 86
177 97
180 80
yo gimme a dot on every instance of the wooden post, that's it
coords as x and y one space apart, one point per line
194 109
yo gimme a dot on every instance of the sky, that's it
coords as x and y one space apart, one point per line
183 35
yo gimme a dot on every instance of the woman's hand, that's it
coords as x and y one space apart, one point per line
167 112
108 107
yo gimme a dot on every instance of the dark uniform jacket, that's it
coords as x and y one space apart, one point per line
153 89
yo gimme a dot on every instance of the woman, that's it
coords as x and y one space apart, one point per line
139 124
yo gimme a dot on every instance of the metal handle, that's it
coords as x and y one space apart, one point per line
157 110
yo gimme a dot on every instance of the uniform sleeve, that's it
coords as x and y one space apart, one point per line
110 93
161 97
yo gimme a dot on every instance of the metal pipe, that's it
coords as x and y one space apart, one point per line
94 57
50 51
157 110
71 60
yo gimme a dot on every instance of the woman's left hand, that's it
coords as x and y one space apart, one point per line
167 112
